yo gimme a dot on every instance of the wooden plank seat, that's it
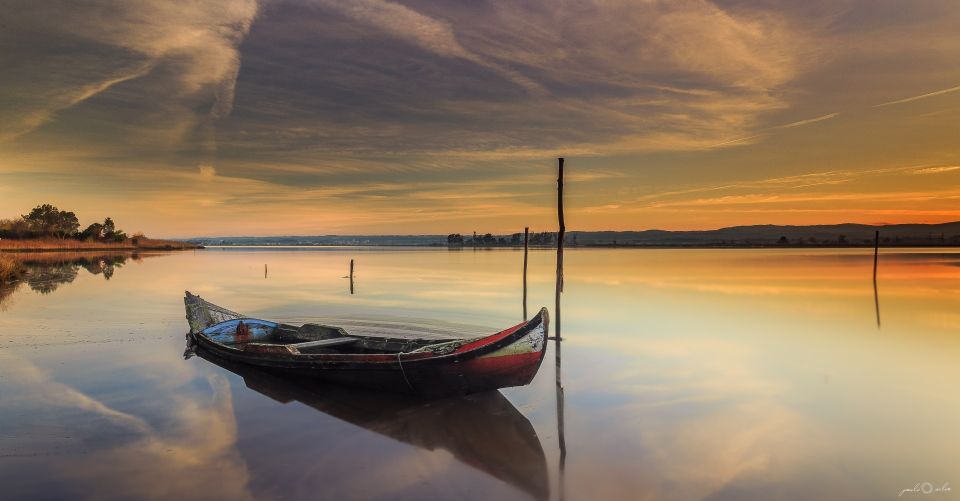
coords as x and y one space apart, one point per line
337 341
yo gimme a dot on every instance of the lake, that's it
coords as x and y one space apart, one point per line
687 374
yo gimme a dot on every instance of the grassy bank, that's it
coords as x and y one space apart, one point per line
10 268
55 244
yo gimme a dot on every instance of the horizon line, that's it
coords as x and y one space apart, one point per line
358 235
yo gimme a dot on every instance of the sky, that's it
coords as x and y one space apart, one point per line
278 117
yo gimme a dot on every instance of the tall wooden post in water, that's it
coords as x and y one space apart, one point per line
559 288
526 240
351 276
557 337
560 237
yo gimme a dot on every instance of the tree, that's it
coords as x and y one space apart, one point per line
109 229
93 232
455 239
47 220
42 218
14 228
67 225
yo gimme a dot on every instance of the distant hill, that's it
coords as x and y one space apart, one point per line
834 235
768 234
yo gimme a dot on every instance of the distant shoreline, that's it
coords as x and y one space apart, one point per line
839 236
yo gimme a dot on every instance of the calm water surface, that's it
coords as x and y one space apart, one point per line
694 374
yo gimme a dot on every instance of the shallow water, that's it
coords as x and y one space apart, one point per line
688 374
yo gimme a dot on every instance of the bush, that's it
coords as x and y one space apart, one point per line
10 268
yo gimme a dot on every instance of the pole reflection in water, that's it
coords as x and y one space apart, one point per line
876 300
560 436
526 243
484 431
876 256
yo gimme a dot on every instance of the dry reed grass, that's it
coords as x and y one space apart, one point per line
10 268
53 244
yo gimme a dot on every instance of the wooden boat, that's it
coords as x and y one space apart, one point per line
482 431
421 365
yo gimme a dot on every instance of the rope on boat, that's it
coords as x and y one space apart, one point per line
404 374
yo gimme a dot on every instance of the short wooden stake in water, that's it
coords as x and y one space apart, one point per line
264 270
526 240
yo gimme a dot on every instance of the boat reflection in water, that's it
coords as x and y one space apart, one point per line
483 430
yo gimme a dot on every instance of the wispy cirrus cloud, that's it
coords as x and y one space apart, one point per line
809 121
921 96
67 53
423 31
937 170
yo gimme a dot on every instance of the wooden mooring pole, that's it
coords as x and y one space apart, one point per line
351 276
561 439
559 285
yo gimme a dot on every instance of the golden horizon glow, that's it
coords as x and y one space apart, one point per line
408 117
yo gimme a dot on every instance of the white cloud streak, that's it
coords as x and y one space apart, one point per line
423 31
809 121
196 42
937 170
921 96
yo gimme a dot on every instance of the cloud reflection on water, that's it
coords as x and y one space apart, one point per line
111 454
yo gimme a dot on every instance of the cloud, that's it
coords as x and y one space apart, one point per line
141 460
739 140
921 96
373 77
50 392
430 34
26 120
809 121
207 171
937 170
69 53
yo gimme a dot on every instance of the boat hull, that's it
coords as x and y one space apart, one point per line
508 358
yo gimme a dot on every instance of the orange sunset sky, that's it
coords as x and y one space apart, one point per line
239 117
